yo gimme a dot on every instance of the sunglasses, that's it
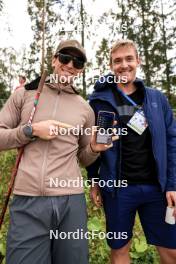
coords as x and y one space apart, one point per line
78 63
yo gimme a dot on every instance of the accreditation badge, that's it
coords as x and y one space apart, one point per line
138 122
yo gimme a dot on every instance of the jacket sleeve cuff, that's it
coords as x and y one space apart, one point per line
170 187
91 152
87 156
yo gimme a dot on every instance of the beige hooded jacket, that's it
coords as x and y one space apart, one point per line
48 168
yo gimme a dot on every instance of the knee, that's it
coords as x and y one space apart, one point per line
171 254
121 251
167 253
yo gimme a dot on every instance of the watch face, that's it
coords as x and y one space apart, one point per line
28 130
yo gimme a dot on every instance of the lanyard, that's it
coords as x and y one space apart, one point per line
128 98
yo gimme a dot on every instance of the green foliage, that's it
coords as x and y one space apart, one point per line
98 249
4 94
102 55
43 19
8 66
7 160
1 5
173 102
141 252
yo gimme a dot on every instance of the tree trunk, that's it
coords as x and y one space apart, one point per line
43 37
145 46
168 84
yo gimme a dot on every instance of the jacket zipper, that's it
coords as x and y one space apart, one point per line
46 150
118 175
153 148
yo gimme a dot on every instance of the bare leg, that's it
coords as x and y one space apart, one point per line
121 256
167 255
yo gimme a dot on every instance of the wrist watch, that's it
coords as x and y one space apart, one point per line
28 131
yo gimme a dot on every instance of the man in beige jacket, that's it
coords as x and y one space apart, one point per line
42 211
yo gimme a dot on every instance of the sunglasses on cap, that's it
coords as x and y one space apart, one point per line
78 62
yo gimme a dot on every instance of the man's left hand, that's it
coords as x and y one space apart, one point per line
100 147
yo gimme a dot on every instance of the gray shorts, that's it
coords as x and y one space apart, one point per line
44 230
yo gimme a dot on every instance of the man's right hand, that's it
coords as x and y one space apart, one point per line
43 129
95 195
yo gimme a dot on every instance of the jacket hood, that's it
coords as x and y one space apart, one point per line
103 88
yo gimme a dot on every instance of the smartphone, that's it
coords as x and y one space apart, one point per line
105 124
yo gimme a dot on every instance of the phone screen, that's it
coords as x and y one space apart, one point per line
105 124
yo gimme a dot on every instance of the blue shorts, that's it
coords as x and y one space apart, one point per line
151 205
